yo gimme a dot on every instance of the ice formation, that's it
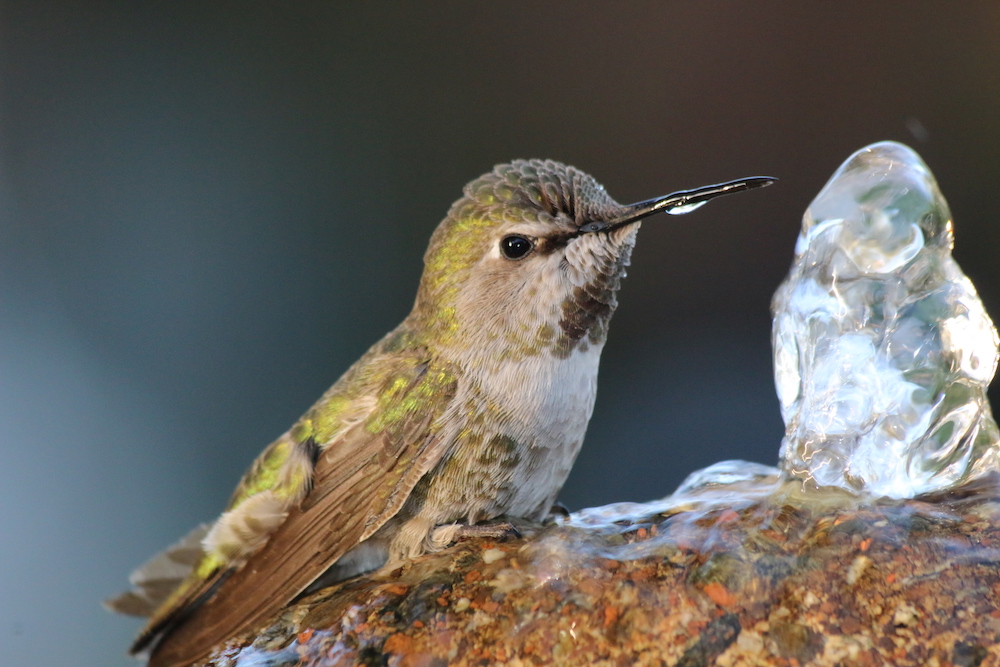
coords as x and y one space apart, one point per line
882 348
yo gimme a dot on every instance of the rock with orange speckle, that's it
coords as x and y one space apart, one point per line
774 581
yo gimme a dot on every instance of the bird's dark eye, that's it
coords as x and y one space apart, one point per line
515 247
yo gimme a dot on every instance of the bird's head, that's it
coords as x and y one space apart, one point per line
529 260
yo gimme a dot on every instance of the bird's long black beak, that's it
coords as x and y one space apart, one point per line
677 203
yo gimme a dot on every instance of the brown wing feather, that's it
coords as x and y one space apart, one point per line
157 579
163 622
357 488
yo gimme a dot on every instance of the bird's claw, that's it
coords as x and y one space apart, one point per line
499 531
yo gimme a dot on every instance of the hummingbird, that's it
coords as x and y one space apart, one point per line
473 409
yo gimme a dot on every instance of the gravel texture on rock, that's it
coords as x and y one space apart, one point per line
767 582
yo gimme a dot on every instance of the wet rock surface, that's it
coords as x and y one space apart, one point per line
772 582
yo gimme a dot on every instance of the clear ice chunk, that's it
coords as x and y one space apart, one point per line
882 348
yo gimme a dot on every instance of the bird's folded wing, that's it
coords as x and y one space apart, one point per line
361 480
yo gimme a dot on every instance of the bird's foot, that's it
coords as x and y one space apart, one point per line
498 531
448 534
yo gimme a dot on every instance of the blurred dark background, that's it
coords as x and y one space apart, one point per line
209 210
